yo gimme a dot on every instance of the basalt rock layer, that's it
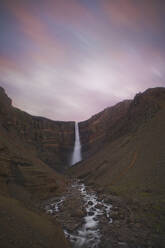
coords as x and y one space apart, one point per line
130 161
115 121
128 134
52 140
95 131
29 147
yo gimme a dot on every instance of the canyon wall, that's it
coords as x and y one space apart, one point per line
53 140
115 121
29 147
129 165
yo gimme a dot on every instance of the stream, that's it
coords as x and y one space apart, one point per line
83 231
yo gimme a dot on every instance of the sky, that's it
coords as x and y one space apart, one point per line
69 59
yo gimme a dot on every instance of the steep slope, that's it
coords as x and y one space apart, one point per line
132 158
115 121
25 179
94 131
23 227
52 140
29 146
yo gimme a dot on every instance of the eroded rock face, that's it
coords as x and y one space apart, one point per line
97 130
120 119
52 140
25 180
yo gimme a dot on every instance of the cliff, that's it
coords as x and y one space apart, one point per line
130 128
118 120
95 131
52 140
129 163
29 147
123 156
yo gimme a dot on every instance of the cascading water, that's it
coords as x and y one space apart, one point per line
76 156
88 232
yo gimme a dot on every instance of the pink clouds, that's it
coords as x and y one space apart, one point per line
36 30
77 58
133 14
71 12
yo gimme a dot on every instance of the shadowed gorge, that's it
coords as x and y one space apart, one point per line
103 201
82 124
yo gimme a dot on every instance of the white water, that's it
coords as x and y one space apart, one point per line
88 235
76 156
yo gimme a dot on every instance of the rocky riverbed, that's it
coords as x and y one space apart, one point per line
94 220
80 212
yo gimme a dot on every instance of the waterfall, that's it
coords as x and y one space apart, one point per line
76 156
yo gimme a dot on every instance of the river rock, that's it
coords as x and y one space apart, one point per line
71 226
99 206
91 213
93 209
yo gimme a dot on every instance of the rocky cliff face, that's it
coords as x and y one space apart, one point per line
53 140
29 146
96 131
130 162
118 120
